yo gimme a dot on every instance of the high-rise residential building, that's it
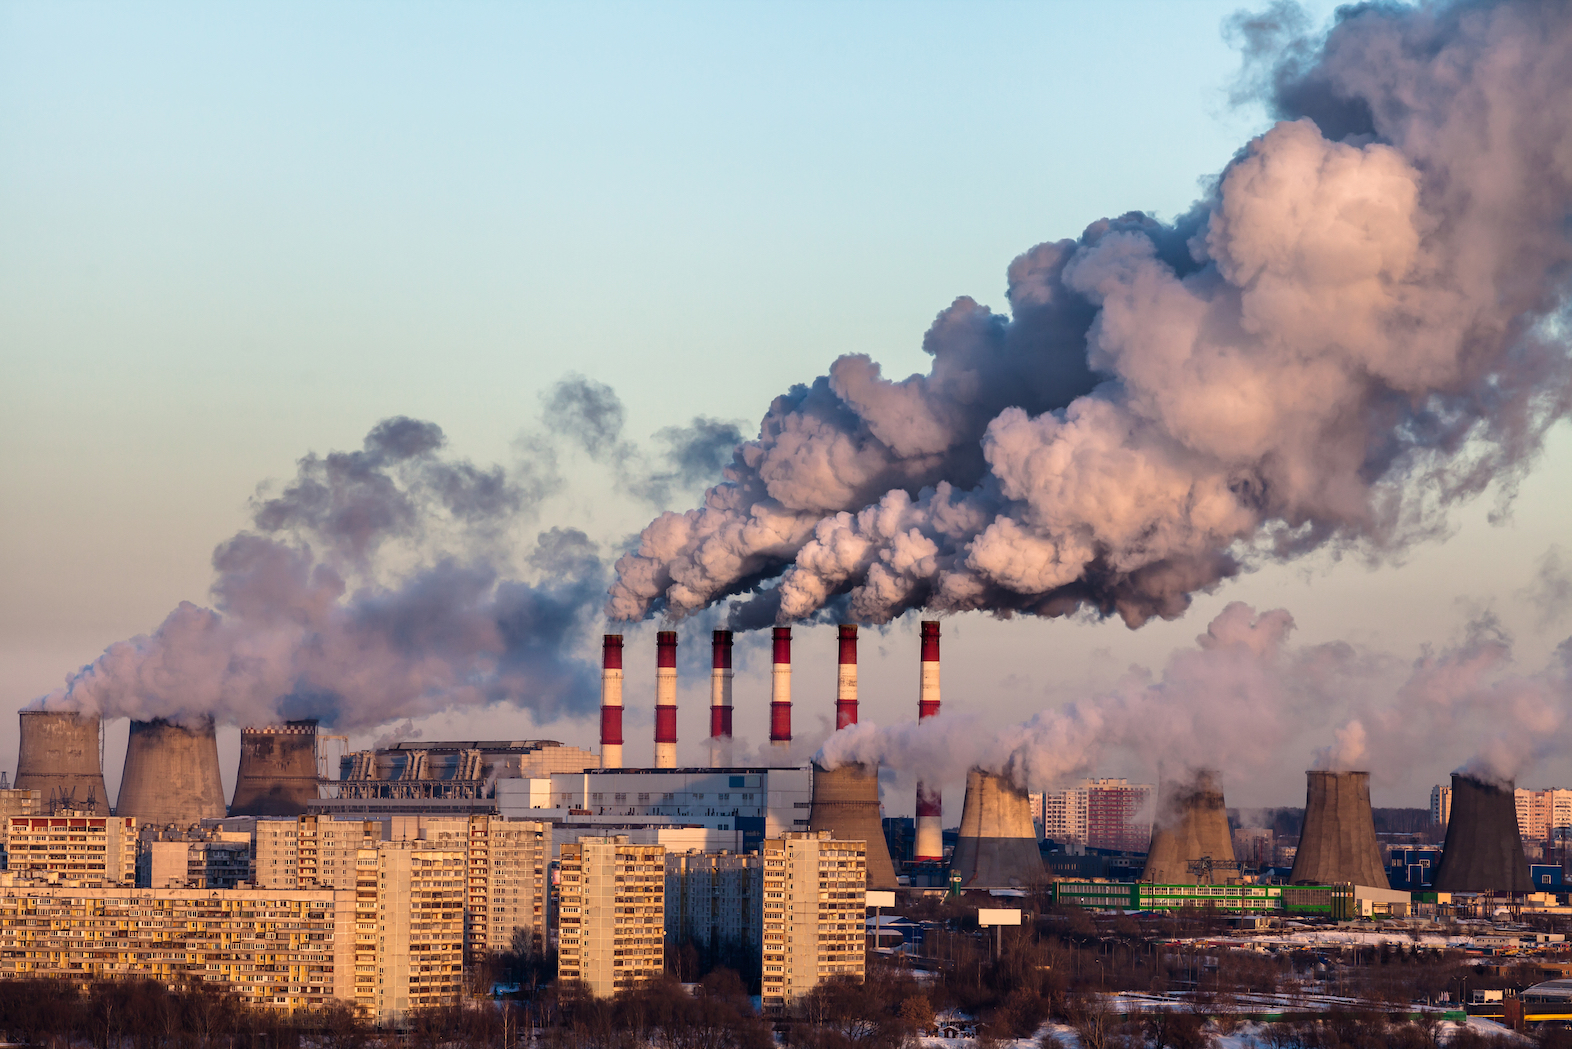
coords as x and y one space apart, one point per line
715 900
611 925
421 895
71 849
275 950
814 914
507 884
1541 812
1099 813
213 860
1440 805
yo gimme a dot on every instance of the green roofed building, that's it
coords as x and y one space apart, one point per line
1331 901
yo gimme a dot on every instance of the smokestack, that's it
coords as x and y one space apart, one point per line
59 758
846 679
929 846
1484 848
1191 828
846 803
666 699
171 774
780 690
611 702
997 847
278 770
720 700
1338 843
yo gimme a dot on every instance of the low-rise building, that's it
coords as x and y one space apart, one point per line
814 914
611 929
1333 901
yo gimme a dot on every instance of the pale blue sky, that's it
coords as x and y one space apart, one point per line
230 234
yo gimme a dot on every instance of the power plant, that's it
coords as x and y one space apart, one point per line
846 799
59 757
997 846
1484 849
278 770
1190 839
171 774
1338 842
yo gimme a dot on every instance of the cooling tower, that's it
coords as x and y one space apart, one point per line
1483 850
278 770
1338 843
59 758
997 847
846 803
1191 827
171 774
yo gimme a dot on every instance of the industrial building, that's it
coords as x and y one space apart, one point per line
1329 901
612 929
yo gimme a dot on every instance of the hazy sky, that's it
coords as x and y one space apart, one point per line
230 235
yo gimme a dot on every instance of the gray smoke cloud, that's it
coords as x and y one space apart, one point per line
308 620
1246 692
1363 322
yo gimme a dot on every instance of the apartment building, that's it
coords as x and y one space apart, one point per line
72 849
1440 805
282 951
814 914
715 900
507 884
217 860
1099 813
611 929
421 894
1541 812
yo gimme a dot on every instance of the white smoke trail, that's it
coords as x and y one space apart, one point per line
1357 327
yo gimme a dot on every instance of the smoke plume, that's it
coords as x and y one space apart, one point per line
1361 323
343 603
1245 691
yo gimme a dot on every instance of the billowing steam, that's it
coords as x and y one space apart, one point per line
1362 322
290 636
1245 691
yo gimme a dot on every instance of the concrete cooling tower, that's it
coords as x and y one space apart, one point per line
59 758
278 770
1483 850
846 803
1191 828
997 847
171 774
1338 843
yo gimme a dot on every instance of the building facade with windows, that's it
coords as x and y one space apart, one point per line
814 914
72 849
715 900
612 925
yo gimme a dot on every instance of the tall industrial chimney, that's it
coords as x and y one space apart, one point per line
1191 830
666 699
611 702
278 770
1338 843
997 847
846 678
1484 848
929 844
780 690
720 700
59 758
846 800
171 774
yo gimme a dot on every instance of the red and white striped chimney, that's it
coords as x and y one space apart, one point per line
666 699
611 702
780 690
720 700
929 846
846 679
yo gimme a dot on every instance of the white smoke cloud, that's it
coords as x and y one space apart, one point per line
1241 698
1357 327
